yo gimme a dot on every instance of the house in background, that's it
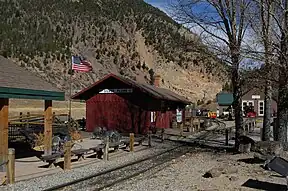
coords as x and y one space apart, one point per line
254 97
224 101
121 104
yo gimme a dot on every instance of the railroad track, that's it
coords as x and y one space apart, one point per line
214 137
108 178
221 126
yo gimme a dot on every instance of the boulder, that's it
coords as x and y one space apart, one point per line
273 148
267 150
245 148
245 140
246 143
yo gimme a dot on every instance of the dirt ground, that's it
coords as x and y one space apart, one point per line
186 173
37 106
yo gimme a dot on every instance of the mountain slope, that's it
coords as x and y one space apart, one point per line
128 37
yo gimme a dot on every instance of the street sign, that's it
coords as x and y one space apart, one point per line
111 91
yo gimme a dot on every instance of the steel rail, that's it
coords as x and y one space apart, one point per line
57 187
130 176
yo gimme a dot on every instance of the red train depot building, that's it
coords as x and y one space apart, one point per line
121 104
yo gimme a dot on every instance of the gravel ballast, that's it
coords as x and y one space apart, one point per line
186 174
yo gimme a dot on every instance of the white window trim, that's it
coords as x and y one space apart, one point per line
259 108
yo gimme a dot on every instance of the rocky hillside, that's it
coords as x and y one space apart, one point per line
128 37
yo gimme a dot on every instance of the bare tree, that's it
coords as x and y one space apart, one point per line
265 10
261 24
273 17
281 18
225 23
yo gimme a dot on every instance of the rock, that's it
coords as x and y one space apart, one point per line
214 172
233 178
245 148
246 140
266 150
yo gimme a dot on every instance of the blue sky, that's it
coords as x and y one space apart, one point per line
157 3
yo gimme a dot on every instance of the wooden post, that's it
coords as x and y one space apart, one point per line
106 149
48 128
249 126
27 121
4 104
181 129
131 142
67 156
226 137
149 139
11 166
21 115
162 134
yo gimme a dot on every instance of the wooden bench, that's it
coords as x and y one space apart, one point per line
114 145
139 140
80 153
52 159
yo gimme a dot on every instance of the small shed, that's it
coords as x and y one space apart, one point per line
16 82
224 101
124 105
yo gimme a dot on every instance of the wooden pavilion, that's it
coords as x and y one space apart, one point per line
18 83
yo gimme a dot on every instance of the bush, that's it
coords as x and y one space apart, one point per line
200 102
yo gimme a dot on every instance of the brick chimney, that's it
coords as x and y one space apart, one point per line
157 80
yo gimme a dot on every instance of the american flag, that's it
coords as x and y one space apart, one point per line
81 64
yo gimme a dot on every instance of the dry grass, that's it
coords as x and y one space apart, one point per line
37 106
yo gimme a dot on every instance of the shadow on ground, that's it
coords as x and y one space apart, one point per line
260 185
209 147
24 150
251 161
60 164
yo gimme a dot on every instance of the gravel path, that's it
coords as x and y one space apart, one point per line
186 174
64 177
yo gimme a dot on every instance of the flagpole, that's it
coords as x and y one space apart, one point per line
70 92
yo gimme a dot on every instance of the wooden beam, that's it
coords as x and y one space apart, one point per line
48 116
4 104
